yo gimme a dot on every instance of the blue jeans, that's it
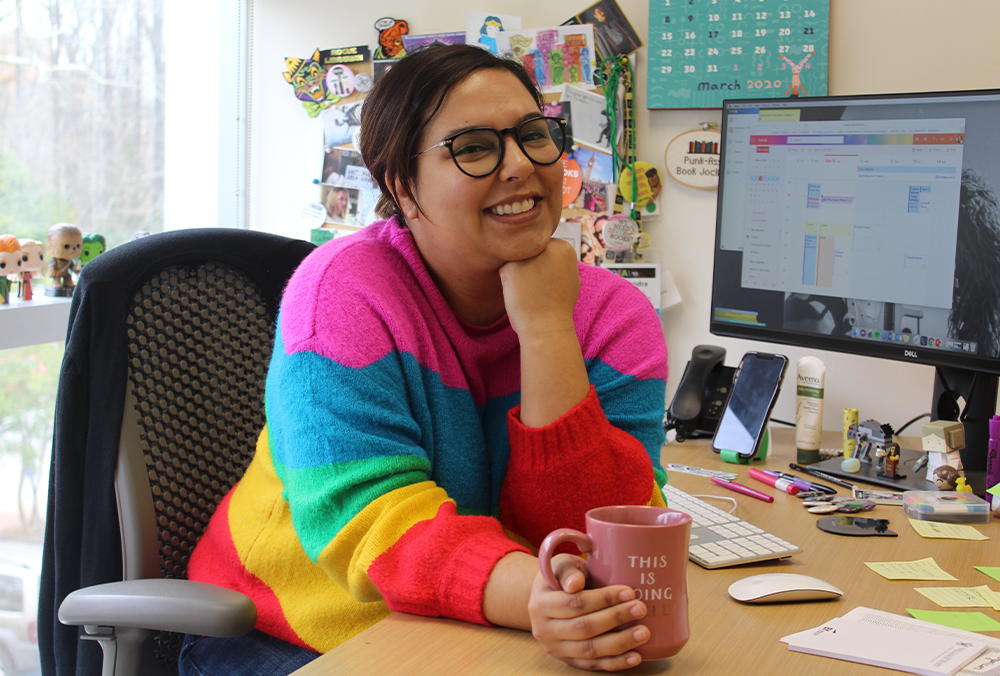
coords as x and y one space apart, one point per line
247 655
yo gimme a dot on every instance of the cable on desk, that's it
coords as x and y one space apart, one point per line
719 497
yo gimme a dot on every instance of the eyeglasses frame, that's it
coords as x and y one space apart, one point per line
502 133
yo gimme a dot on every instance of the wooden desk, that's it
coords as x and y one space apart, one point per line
726 637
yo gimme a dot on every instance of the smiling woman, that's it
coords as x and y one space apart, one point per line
439 383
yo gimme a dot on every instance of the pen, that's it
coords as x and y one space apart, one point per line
821 475
802 483
740 488
777 482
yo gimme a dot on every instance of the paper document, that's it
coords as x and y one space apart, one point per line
887 647
987 664
923 569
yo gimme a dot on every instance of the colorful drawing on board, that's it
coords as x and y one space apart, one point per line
308 77
390 38
553 56
485 29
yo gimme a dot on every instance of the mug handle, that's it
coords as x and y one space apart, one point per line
553 540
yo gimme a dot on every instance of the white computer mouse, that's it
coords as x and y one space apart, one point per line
781 587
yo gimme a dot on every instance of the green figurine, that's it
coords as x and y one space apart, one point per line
94 245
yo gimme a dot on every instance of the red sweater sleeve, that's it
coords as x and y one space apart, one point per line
559 472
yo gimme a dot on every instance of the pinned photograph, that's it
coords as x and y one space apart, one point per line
613 32
342 166
596 173
340 123
414 43
591 126
341 204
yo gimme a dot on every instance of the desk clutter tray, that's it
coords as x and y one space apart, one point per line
719 539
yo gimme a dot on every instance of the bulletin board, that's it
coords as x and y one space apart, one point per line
704 51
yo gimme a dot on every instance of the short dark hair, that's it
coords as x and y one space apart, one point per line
403 102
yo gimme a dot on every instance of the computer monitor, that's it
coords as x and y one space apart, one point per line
870 225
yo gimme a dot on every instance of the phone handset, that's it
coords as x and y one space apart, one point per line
687 410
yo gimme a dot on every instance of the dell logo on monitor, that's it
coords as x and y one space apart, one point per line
910 353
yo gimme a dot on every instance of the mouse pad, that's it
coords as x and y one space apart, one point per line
856 526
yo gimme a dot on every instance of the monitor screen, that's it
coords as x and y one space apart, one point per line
865 224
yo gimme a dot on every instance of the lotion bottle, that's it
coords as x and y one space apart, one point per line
809 381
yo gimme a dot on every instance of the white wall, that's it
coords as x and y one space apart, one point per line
875 46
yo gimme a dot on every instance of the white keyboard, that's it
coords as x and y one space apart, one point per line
719 539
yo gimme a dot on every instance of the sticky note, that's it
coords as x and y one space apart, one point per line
951 531
992 571
966 621
923 569
962 597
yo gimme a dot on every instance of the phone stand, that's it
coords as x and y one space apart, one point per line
737 459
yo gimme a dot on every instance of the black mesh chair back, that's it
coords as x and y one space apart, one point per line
171 335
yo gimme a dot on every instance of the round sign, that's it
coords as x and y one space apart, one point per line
649 185
340 80
572 180
619 233
363 82
692 158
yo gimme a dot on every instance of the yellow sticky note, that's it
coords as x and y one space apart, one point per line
952 531
966 621
992 597
958 597
922 569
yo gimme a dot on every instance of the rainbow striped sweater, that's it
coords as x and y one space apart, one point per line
394 472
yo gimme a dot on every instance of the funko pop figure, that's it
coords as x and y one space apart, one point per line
63 246
33 257
10 264
94 245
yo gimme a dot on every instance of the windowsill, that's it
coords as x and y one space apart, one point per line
43 319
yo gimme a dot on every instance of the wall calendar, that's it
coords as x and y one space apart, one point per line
704 51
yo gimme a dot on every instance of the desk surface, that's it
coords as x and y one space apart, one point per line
726 637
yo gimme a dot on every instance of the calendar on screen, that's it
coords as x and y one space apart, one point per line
704 51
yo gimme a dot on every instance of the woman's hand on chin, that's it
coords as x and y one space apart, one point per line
540 293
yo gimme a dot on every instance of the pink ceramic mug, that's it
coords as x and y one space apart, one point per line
645 548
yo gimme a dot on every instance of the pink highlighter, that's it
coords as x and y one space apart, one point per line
777 482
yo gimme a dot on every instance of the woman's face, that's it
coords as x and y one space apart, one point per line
342 202
458 227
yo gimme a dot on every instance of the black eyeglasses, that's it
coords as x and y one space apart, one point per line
478 152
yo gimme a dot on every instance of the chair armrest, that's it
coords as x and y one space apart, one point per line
162 604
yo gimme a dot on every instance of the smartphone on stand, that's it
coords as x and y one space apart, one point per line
748 407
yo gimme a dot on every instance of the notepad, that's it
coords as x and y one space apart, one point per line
887 647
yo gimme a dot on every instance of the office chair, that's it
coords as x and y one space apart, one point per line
159 407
